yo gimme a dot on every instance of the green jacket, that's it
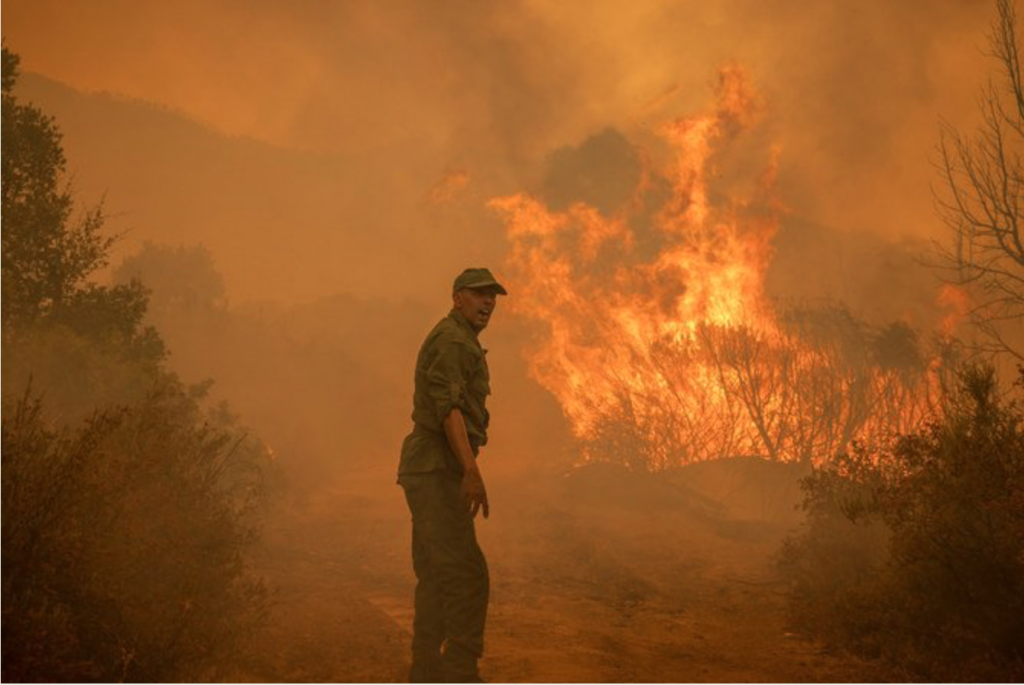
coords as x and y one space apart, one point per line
451 371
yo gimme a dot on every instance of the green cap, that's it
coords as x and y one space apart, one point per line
477 278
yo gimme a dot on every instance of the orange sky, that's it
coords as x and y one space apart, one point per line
854 90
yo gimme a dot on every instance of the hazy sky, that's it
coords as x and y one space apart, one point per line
854 91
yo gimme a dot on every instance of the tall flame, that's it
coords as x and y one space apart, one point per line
668 356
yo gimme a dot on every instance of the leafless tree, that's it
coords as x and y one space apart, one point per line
980 200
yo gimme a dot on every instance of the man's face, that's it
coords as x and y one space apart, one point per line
477 305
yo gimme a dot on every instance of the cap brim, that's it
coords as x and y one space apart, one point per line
485 284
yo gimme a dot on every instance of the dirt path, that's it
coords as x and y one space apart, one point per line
581 592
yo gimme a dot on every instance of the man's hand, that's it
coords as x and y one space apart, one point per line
474 493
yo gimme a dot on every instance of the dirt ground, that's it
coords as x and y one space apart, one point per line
598 575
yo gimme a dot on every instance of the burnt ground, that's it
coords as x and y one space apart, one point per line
599 575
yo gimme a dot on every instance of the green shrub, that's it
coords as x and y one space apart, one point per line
916 554
124 541
128 507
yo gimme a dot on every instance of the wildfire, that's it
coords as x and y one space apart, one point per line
664 357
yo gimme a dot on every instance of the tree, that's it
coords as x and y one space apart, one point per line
45 256
129 506
49 252
178 278
981 200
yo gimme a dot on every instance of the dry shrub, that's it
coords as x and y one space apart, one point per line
916 554
124 541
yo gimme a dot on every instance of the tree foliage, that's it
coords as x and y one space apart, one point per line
49 250
178 278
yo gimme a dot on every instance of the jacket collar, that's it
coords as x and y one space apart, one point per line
463 323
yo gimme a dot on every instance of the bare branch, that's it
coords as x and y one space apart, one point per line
982 180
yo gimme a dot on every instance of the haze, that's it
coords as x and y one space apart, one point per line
300 142
298 183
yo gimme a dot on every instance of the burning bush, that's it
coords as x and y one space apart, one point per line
916 554
796 394
653 327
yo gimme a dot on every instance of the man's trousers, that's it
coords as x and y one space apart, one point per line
452 586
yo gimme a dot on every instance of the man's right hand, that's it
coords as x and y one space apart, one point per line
474 493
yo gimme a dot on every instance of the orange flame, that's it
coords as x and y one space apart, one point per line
668 358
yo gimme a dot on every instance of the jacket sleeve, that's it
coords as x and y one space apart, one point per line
448 376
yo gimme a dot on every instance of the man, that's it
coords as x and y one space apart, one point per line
444 488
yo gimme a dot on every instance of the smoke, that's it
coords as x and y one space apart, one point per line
854 90
318 149
337 159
